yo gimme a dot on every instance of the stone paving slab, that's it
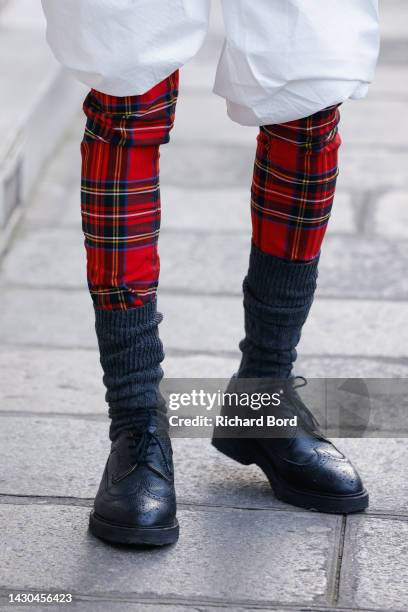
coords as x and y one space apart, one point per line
334 367
393 16
205 263
329 330
228 210
20 83
350 267
125 605
364 169
381 463
278 548
363 266
390 80
114 606
69 462
55 206
394 51
30 262
65 382
74 451
206 210
44 317
65 319
391 216
233 485
207 164
199 75
363 122
37 98
375 564
213 163
120 605
57 198
70 382
193 126
371 171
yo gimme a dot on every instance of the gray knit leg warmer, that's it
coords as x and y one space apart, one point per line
278 295
130 355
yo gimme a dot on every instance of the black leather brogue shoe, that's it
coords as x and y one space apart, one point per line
136 501
303 467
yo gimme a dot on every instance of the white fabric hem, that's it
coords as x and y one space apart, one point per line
282 111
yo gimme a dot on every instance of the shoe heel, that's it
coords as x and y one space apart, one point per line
234 448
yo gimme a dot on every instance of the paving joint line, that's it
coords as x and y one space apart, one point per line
365 213
180 352
7 499
213 602
175 291
339 561
90 416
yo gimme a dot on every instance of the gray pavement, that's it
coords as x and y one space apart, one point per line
240 548
38 99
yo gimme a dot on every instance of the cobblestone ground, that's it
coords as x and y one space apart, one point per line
240 548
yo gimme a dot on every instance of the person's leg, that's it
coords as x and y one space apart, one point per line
292 195
126 49
120 196
286 66
121 221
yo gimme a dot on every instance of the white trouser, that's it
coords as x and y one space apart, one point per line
282 59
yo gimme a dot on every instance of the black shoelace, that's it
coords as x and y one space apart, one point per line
308 419
141 445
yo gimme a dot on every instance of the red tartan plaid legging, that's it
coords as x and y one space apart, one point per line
292 191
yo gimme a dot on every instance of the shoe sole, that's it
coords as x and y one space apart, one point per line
137 536
338 504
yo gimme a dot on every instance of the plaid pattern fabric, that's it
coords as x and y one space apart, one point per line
292 192
120 192
293 186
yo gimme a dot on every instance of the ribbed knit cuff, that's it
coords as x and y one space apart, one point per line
274 279
129 318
